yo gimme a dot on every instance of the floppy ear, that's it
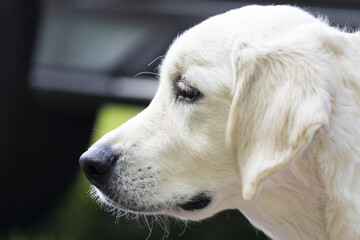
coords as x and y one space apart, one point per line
280 99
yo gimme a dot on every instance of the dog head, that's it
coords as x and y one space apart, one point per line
241 95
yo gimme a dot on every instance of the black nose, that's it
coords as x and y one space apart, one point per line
96 164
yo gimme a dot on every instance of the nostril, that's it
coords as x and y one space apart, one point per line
96 164
93 170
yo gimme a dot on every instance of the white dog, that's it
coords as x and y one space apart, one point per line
258 109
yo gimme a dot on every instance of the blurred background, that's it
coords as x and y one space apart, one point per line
69 72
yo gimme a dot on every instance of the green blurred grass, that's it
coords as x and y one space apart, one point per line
111 116
78 217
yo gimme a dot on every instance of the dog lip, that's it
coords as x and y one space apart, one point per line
196 203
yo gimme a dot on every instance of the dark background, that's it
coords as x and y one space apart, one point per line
61 61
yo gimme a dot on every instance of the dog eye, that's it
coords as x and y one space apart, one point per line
188 95
185 93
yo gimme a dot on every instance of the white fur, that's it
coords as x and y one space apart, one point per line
276 133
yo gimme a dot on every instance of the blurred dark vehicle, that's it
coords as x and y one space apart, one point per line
61 60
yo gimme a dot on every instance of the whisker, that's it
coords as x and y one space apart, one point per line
185 227
97 130
162 56
144 220
150 227
149 73
163 224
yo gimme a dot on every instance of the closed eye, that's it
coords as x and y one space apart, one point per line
186 93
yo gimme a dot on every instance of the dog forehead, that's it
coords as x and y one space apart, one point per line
209 48
200 46
213 39
196 47
247 21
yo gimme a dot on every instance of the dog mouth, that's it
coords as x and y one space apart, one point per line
196 203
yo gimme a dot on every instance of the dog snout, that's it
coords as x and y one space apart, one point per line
96 164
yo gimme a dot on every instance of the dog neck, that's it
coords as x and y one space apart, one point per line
338 155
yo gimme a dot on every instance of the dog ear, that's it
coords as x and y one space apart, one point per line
280 100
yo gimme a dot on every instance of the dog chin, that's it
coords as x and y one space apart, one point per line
195 215
193 209
139 210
